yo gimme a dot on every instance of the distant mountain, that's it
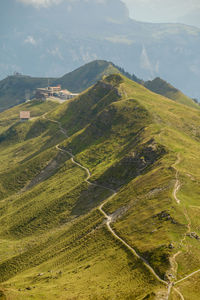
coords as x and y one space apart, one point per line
83 31
192 17
162 87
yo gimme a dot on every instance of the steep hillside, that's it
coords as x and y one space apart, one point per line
100 198
16 89
162 87
87 75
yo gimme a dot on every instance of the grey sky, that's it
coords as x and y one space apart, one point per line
162 10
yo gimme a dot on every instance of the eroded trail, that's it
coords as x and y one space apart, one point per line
109 218
177 183
101 209
179 293
188 276
169 284
175 191
173 260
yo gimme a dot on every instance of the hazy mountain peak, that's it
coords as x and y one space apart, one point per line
82 31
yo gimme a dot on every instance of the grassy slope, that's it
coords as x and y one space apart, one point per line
22 145
129 138
87 75
163 88
36 107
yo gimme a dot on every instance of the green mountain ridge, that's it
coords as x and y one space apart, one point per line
16 89
162 87
87 75
138 147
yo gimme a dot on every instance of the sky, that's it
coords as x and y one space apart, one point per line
184 11
161 10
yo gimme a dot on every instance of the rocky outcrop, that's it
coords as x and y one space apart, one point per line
165 216
194 235
135 163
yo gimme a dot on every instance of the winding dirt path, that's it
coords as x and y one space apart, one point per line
188 276
175 191
169 284
177 183
107 217
179 293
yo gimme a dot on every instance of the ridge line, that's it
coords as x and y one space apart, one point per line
100 208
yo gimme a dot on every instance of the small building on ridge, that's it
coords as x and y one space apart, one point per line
25 115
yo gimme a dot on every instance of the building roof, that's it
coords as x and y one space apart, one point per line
66 92
54 87
25 114
42 89
50 88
